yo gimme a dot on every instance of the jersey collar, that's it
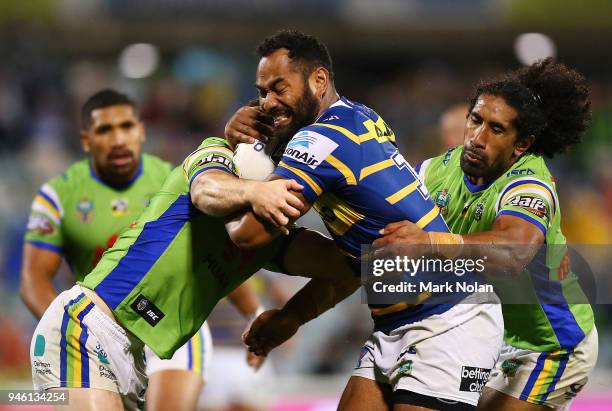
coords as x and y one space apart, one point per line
476 188
127 184
341 102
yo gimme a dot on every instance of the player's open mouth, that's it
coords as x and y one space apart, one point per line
281 120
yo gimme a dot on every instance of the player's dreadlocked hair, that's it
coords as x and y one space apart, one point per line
103 98
552 101
309 52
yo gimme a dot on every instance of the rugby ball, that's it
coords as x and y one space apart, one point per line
252 162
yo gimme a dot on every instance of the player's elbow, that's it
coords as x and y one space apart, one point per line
247 241
197 192
244 236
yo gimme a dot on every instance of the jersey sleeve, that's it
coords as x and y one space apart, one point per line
44 228
213 154
530 199
317 162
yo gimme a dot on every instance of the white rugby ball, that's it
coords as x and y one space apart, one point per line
252 162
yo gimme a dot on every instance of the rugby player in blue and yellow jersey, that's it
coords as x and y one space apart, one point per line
345 156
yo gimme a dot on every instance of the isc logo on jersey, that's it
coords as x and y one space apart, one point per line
310 148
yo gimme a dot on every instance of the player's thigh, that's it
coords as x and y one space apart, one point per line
447 369
176 383
491 400
364 394
76 346
173 390
551 379
90 399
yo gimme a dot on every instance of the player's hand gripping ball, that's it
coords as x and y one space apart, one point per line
252 162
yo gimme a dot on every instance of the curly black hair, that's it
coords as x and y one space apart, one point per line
101 99
552 101
303 48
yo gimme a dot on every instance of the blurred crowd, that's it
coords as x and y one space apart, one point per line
191 96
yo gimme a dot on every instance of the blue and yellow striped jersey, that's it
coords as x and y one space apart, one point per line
358 182
355 177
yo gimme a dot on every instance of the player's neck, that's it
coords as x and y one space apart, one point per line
116 180
330 98
482 180
477 180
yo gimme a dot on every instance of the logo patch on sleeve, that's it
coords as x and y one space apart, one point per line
310 148
215 158
147 310
533 205
40 224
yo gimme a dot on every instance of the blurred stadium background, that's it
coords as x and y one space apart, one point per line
190 64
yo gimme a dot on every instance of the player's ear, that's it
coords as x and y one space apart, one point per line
523 144
85 141
320 81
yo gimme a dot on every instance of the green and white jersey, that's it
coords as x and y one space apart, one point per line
79 216
166 272
527 190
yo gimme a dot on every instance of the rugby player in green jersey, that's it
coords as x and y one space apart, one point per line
496 190
161 279
81 213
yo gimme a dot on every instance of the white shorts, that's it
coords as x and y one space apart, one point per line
76 345
195 355
549 378
447 356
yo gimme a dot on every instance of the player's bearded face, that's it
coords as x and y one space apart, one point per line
114 142
489 139
301 113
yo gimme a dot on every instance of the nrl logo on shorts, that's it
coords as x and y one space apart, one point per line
406 368
509 367
441 199
85 210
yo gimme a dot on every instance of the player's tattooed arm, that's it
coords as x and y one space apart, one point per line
248 230
38 269
221 194
509 245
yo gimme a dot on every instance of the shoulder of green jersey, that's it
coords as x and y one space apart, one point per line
212 150
48 202
310 148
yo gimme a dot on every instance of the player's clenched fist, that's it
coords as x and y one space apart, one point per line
247 125
276 201
269 330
